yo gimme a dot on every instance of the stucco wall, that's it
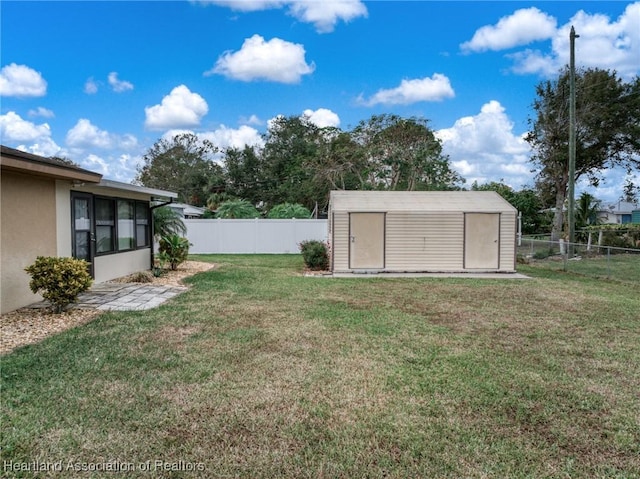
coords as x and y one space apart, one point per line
28 229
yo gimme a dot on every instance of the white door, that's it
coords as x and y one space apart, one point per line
481 240
366 240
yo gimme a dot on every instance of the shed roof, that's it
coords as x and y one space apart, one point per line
443 201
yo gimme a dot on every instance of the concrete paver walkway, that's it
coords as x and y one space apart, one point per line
122 297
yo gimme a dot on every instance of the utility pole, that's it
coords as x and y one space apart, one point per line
572 140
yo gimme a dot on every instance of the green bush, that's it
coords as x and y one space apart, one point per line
173 250
289 210
237 209
315 254
59 280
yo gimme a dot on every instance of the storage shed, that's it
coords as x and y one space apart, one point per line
421 231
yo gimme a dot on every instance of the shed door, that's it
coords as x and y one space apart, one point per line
366 240
481 240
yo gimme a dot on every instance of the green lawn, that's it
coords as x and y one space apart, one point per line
259 372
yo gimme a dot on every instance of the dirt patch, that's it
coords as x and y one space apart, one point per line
29 325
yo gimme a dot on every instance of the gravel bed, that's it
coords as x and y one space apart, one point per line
29 325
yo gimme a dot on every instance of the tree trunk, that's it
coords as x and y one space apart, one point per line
558 217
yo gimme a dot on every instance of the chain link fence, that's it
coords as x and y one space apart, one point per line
600 261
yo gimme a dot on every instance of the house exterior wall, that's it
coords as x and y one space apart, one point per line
28 224
109 266
121 264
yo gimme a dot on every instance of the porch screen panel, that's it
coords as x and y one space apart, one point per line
126 231
105 225
142 224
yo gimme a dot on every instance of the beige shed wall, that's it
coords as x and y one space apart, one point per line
340 242
28 224
508 230
423 241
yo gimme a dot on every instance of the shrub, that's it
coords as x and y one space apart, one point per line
60 280
237 209
289 210
141 277
173 250
315 254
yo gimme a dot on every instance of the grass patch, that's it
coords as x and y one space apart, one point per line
258 371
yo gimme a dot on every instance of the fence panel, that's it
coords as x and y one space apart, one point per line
252 236
607 262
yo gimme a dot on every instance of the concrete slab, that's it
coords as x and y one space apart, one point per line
428 275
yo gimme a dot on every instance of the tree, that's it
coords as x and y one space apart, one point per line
237 209
289 210
244 174
184 164
292 144
526 201
607 132
630 191
404 154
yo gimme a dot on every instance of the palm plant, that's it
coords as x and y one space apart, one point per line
586 213
289 210
166 222
237 209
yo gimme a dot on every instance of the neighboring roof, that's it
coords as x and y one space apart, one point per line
444 201
162 195
188 210
27 163
619 208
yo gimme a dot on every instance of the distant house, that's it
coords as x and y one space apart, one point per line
617 213
50 208
187 211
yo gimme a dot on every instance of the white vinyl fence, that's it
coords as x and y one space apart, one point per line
252 236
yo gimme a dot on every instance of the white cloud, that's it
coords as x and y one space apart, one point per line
224 137
322 14
252 120
21 81
325 15
179 109
322 117
521 28
117 85
274 60
44 147
95 163
37 138
484 147
603 43
436 88
90 86
86 135
13 129
41 111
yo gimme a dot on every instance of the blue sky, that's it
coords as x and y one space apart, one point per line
100 82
